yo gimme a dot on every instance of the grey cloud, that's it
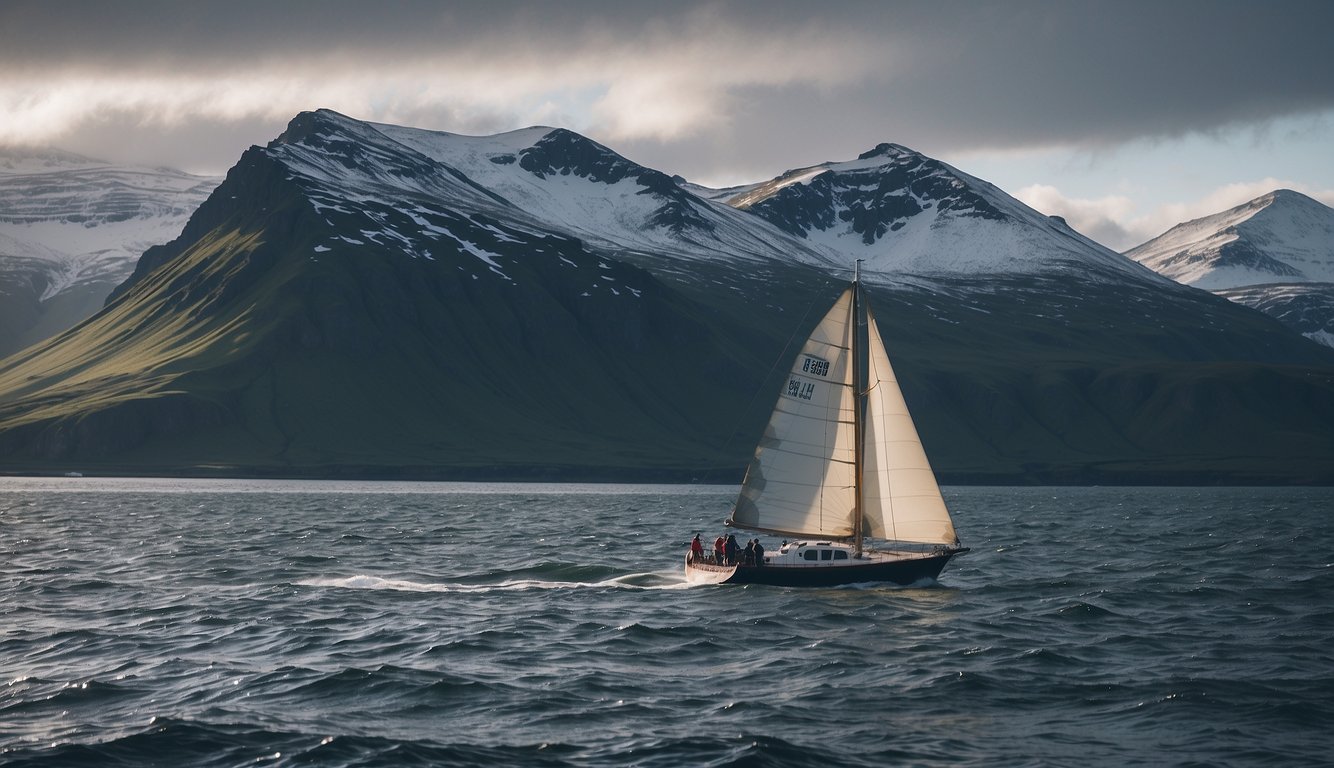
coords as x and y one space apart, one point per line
202 146
941 77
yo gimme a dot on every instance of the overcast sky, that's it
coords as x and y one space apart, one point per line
1124 116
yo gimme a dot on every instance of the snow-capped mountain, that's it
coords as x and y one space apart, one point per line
357 298
545 178
1281 237
905 213
72 228
1274 253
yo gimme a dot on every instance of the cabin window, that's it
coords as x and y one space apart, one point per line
811 554
840 555
826 554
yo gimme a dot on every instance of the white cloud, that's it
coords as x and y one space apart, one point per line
1115 221
1104 219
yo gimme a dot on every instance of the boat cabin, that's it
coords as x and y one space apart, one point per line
811 553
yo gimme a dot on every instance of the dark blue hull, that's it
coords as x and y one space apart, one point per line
910 570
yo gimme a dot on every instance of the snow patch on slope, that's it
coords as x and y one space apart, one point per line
757 192
620 212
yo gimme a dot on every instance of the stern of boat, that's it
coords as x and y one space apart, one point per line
708 573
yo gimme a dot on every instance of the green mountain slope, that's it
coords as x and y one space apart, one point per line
249 349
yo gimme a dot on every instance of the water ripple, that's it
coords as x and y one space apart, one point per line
216 624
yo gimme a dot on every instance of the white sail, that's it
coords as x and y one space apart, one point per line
800 481
901 500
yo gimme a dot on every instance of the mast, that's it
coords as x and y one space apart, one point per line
858 407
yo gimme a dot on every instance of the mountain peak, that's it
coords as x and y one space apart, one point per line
1274 253
904 212
1287 195
317 127
564 152
1279 237
885 149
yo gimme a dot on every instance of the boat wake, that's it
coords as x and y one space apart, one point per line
635 581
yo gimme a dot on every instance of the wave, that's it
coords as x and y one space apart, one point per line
169 741
437 643
29 694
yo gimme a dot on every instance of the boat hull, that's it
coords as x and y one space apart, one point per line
901 571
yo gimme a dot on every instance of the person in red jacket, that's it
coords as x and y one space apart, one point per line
696 550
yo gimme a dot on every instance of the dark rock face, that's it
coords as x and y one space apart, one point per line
566 153
874 200
1307 308
1242 253
254 189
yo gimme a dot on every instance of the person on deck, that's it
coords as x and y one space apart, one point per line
696 550
759 553
732 549
748 557
719 547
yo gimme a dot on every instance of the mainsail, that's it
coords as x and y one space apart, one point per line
802 479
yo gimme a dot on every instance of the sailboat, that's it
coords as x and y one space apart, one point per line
840 465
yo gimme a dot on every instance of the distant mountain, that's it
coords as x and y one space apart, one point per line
1281 237
1275 253
904 212
372 300
72 228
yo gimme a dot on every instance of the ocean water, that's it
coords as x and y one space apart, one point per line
242 623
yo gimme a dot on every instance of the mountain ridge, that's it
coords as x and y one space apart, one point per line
362 299
903 212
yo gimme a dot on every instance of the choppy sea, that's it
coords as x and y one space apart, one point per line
245 623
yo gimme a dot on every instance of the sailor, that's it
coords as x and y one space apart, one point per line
696 550
732 549
759 553
719 547
749 557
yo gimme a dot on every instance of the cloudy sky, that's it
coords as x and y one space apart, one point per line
1124 116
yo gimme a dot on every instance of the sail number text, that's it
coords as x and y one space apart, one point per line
805 390
802 390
